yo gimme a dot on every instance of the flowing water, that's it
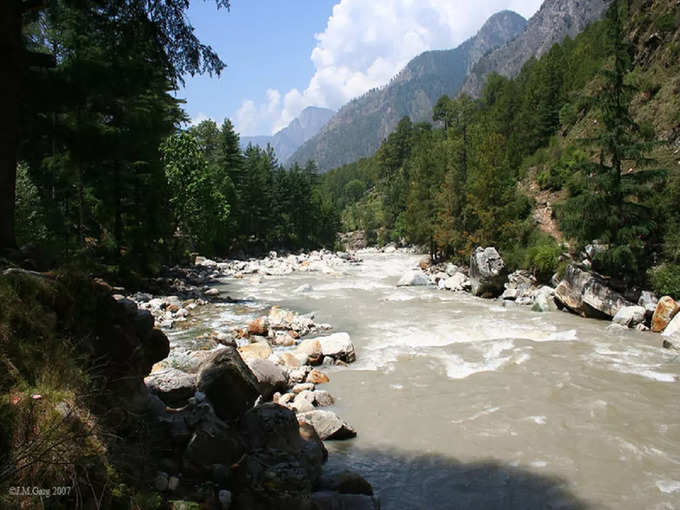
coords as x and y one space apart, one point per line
461 402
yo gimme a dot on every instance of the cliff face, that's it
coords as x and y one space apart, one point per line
555 20
360 126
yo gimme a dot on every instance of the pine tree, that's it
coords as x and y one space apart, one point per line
612 208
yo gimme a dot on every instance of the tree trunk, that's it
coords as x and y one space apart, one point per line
10 88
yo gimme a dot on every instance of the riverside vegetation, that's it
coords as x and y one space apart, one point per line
108 184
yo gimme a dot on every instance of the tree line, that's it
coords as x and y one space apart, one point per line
95 166
566 123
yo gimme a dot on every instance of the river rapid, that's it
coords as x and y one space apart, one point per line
461 402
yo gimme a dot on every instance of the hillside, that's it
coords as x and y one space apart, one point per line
301 129
555 20
360 126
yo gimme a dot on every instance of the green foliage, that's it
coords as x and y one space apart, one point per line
195 193
665 279
31 223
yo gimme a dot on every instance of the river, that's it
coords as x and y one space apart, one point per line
461 402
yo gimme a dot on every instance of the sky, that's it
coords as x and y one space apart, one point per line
284 56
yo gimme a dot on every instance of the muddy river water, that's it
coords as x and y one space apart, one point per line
461 402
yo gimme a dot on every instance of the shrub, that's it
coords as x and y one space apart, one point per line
665 280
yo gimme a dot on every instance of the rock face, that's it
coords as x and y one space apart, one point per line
228 383
413 279
361 125
587 294
487 272
328 425
555 20
665 311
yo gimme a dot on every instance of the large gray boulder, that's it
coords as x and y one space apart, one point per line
328 424
271 426
270 377
673 328
629 316
172 386
228 383
487 272
213 442
588 295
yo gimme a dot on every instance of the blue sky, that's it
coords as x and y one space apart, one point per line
284 56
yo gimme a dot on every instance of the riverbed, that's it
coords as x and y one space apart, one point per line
461 402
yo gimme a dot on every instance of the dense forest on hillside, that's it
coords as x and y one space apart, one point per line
107 177
583 125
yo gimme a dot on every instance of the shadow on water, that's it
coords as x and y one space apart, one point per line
406 481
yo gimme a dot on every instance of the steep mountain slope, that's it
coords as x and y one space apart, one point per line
555 20
360 126
301 129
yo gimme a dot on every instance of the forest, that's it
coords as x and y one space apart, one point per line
581 125
110 177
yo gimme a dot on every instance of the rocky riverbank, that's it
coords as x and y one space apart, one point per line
243 409
580 291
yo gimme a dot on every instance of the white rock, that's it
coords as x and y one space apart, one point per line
673 328
338 346
629 316
413 278
225 499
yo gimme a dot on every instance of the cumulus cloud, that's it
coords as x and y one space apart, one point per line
367 43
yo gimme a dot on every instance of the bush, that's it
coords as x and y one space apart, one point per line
665 280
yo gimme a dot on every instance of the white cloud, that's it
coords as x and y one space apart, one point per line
367 43
198 119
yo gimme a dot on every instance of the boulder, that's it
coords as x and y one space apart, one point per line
228 383
280 319
629 316
259 326
345 482
323 399
413 279
303 402
327 500
257 350
212 292
587 294
270 377
269 479
487 272
544 299
327 424
338 346
520 284
309 351
451 269
172 386
317 377
648 301
213 442
288 360
673 328
425 262
666 309
457 282
302 387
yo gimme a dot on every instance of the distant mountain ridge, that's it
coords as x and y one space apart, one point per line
555 20
301 129
360 126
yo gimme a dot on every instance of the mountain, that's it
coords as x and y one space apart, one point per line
360 126
301 129
555 20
